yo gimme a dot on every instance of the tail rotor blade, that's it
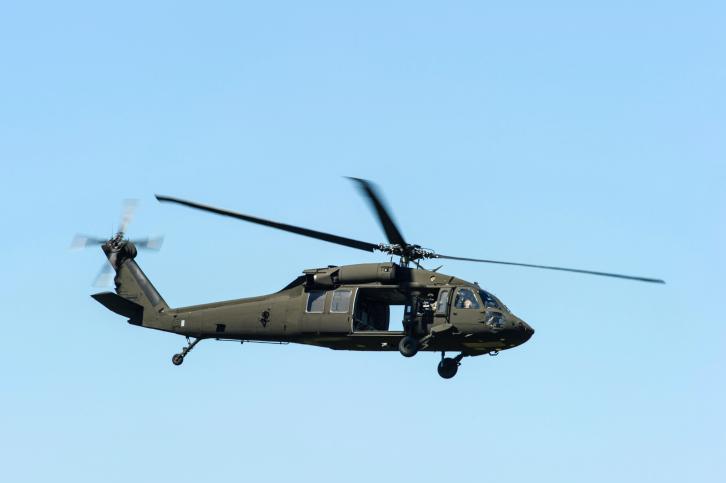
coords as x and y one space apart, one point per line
129 209
104 277
149 243
83 241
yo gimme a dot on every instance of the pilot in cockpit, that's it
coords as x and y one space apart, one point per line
466 299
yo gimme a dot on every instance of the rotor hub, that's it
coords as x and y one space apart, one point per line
408 252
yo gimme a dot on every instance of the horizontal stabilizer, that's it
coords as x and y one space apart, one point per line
118 304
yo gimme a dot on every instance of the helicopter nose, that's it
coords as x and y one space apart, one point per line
527 330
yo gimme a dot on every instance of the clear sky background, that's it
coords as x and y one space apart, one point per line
590 137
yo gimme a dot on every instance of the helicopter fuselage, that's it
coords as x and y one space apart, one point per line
346 308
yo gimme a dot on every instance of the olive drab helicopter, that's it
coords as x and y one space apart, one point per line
340 307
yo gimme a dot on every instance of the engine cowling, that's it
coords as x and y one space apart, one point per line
360 273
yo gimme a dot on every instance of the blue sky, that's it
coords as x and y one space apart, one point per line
569 135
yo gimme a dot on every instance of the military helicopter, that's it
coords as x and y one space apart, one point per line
339 307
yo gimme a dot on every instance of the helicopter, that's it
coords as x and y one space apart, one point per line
339 307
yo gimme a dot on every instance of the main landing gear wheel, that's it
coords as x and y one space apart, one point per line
408 346
177 359
448 368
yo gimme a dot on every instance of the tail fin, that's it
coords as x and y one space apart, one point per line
136 297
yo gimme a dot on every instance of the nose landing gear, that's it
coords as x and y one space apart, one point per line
449 366
177 359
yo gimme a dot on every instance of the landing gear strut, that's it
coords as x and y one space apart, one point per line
409 345
177 359
449 366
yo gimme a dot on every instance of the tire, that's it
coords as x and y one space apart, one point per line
177 359
408 346
448 368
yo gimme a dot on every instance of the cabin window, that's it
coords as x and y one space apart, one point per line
442 306
341 301
316 301
465 299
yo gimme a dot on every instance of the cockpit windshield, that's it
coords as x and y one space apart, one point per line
490 300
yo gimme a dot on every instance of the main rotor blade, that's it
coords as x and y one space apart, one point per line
392 232
562 269
348 242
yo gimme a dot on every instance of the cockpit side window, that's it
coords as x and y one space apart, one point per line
465 299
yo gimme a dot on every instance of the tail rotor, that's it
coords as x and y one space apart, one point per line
104 277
